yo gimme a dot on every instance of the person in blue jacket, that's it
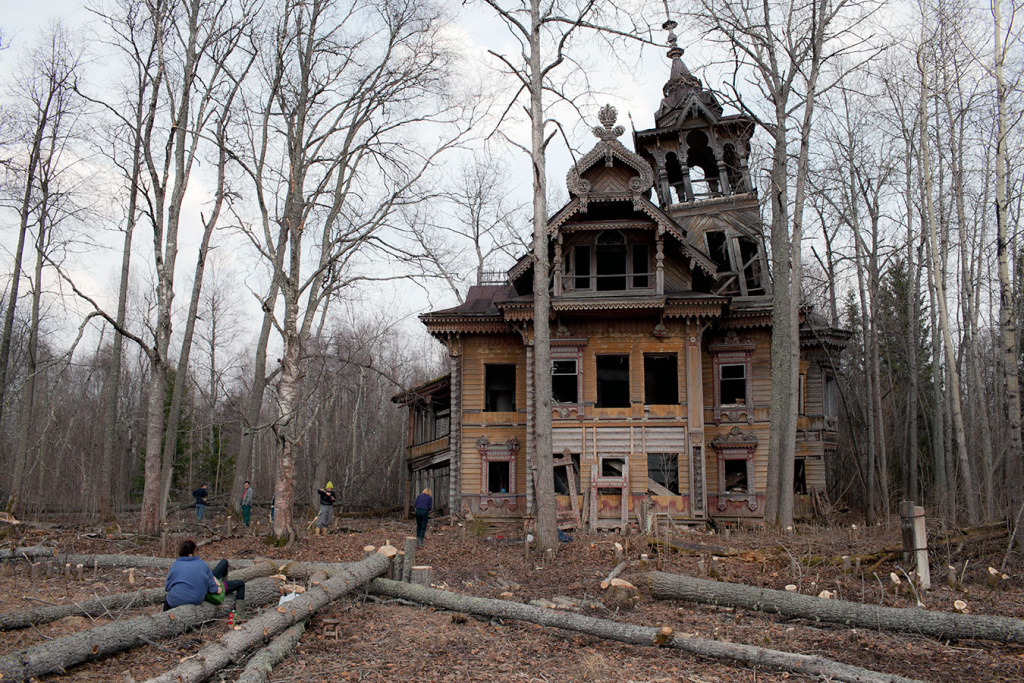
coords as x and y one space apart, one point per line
424 503
190 580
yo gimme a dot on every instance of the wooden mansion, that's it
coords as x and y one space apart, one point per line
661 312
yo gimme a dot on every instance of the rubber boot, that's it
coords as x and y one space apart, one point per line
316 531
239 611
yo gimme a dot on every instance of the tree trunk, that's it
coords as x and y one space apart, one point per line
263 662
542 455
1007 317
796 606
98 607
969 498
217 655
60 653
637 635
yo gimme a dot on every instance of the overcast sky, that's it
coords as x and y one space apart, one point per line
636 95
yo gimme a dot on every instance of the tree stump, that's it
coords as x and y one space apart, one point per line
421 575
621 594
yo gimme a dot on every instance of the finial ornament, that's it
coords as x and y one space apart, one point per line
608 130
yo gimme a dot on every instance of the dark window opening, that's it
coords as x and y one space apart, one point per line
801 394
610 260
581 267
700 156
661 379
732 384
663 470
751 257
612 381
612 467
640 266
562 476
718 250
609 492
732 169
735 476
498 477
500 389
800 477
564 381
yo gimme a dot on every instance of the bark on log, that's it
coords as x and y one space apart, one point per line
99 606
264 661
217 655
680 547
60 653
629 633
790 605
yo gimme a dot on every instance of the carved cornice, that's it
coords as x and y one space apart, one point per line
449 325
735 441
694 309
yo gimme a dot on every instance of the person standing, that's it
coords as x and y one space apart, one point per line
424 504
326 509
200 495
246 502
190 581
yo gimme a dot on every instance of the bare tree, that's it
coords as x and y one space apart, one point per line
547 33
1007 322
785 44
52 113
330 146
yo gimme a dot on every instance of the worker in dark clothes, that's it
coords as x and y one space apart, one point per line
200 495
191 581
424 504
246 503
326 509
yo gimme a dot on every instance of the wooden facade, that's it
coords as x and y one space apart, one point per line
660 343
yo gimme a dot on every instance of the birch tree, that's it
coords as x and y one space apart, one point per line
330 150
784 45
51 118
547 34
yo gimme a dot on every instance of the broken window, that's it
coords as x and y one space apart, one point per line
663 473
565 381
732 384
581 267
498 477
500 388
718 250
613 381
562 476
800 476
641 272
735 476
613 467
661 379
751 257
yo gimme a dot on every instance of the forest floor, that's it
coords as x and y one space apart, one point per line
394 641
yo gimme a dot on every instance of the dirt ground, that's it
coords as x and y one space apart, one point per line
394 641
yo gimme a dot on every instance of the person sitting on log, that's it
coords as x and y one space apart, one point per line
191 582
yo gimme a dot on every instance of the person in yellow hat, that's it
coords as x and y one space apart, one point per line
326 509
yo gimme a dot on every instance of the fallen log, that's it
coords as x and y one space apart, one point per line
230 646
60 653
10 621
793 605
629 633
263 662
681 547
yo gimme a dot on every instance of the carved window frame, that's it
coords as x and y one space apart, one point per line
732 447
497 452
591 243
733 351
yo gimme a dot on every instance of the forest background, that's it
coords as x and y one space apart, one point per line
220 218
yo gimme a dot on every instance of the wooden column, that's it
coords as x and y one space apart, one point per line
455 428
695 421
531 441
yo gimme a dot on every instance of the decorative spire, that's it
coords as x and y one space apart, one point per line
608 130
680 79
